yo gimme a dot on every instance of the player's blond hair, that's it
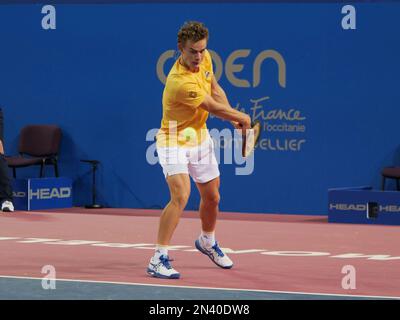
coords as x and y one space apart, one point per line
192 30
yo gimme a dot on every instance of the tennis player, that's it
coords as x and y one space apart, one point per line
185 147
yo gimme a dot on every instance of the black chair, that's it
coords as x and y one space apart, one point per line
391 173
38 145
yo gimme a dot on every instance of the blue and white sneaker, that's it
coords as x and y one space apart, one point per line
161 268
215 254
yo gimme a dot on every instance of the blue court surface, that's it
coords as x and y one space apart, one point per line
19 288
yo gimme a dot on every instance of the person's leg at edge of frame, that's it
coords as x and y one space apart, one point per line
206 243
5 184
179 186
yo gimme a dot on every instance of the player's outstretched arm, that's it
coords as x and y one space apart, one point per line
225 111
219 95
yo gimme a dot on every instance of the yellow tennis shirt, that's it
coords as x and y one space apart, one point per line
184 122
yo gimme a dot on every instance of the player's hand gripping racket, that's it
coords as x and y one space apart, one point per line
250 138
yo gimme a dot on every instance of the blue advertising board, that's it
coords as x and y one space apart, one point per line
42 193
364 205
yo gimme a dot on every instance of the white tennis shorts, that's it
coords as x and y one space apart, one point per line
199 162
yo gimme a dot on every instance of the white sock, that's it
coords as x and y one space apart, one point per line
161 251
207 239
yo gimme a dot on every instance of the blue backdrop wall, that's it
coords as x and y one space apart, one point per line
329 111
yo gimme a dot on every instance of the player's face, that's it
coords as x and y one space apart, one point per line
193 53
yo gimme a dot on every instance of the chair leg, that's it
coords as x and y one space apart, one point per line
383 183
41 170
56 168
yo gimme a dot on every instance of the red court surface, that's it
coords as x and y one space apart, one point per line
285 253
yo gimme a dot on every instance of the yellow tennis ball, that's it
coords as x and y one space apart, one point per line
189 134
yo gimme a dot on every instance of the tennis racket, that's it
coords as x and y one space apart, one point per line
250 139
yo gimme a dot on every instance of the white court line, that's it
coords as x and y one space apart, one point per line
206 288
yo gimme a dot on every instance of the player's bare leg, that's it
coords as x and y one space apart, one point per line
179 187
209 193
206 243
